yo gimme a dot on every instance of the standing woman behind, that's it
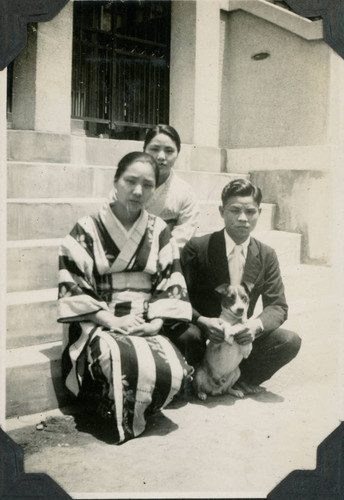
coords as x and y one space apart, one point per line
173 200
120 287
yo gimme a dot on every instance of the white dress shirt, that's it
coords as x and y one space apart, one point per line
230 244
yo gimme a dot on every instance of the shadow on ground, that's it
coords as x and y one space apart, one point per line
224 400
267 397
52 432
159 425
79 429
79 426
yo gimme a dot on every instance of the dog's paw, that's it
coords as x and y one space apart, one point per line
202 396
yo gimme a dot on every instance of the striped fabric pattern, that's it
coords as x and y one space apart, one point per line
105 267
89 266
137 373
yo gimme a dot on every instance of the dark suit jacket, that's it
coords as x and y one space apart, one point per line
205 266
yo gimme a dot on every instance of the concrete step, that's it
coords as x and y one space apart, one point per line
48 218
51 180
33 264
31 315
33 146
33 379
287 245
31 318
33 373
208 185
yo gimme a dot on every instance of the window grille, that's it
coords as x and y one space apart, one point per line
120 77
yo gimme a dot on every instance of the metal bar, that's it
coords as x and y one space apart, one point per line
149 92
154 93
139 56
144 93
141 40
95 120
158 95
136 101
113 104
131 103
133 124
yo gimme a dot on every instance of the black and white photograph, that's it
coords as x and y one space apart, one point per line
171 220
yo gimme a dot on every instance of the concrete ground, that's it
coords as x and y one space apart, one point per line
224 447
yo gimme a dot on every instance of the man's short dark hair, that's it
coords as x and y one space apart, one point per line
241 187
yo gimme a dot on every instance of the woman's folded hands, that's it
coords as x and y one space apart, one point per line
146 329
130 324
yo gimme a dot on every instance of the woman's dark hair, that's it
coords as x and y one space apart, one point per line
241 187
131 158
162 129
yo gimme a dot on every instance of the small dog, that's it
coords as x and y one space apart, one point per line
219 369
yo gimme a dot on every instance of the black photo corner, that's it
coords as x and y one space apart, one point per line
326 482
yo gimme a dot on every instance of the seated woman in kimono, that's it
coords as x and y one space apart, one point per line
173 200
122 293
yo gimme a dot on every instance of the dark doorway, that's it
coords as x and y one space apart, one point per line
9 91
121 53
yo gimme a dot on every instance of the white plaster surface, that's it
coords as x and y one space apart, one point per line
278 101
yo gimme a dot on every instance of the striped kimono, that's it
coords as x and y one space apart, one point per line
102 266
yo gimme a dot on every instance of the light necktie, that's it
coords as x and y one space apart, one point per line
236 264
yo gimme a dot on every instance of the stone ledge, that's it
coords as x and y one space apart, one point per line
301 26
38 146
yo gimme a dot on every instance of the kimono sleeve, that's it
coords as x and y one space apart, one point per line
78 297
169 294
188 216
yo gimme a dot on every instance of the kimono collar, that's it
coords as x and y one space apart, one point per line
127 242
157 203
167 182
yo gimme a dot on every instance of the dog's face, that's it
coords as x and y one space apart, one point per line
233 298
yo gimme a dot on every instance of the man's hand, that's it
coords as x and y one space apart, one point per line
246 333
213 328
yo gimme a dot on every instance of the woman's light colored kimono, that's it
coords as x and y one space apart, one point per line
175 202
104 267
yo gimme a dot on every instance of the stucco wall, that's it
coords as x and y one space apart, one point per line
304 204
282 100
42 76
194 71
182 68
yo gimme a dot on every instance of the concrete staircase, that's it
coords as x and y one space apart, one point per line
44 201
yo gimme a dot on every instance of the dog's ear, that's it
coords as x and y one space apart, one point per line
222 289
